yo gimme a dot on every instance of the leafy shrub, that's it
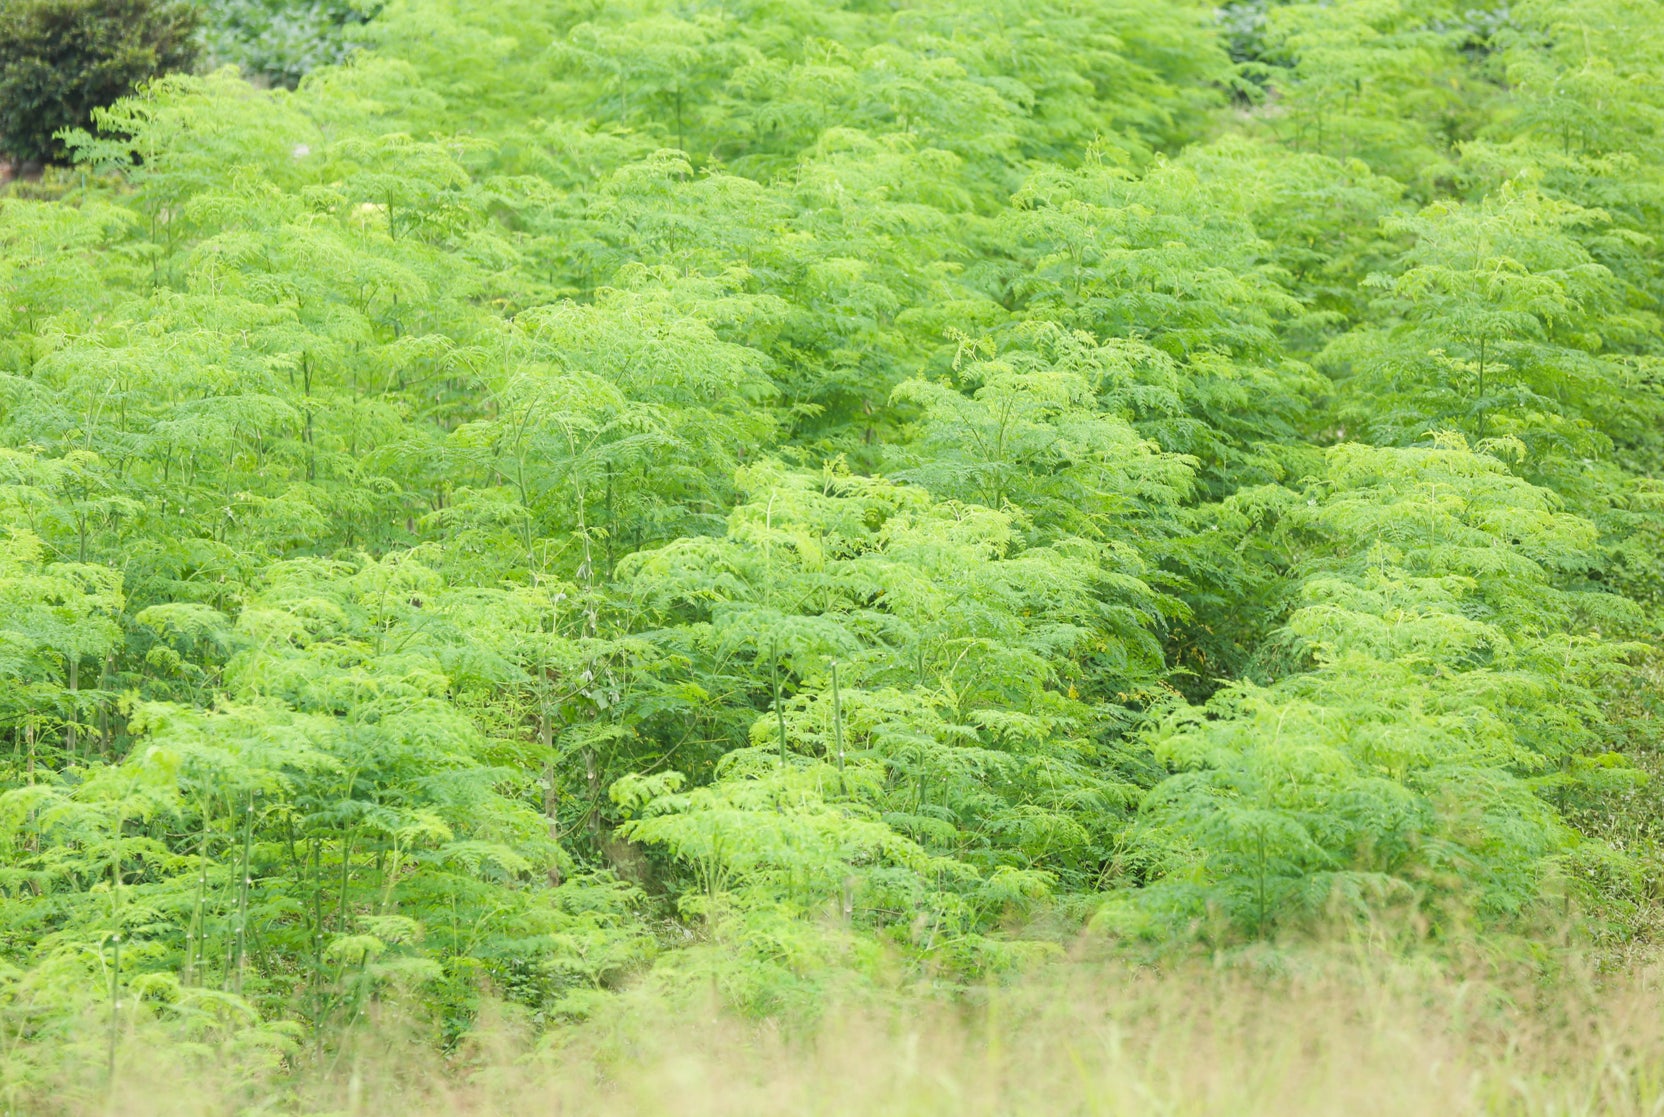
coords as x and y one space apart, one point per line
281 41
61 59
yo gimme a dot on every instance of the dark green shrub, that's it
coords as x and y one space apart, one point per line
61 59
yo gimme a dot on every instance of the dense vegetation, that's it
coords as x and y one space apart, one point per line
60 60
278 42
754 493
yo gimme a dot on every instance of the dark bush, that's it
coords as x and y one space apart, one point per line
61 59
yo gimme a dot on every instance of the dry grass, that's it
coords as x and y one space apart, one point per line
1100 1039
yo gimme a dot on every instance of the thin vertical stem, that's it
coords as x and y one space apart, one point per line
115 960
779 710
838 725
241 939
74 686
194 937
115 1009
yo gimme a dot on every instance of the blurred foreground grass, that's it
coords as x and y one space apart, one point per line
1279 1034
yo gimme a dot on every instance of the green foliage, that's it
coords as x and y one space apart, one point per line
1498 318
281 41
1440 690
749 497
1392 82
62 59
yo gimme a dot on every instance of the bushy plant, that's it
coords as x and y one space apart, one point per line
281 41
62 59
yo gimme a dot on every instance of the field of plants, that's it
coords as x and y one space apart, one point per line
568 519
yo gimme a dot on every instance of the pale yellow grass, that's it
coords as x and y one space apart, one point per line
1328 1037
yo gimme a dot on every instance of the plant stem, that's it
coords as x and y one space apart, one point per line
838 726
779 710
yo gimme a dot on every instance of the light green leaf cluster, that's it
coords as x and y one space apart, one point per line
1441 685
